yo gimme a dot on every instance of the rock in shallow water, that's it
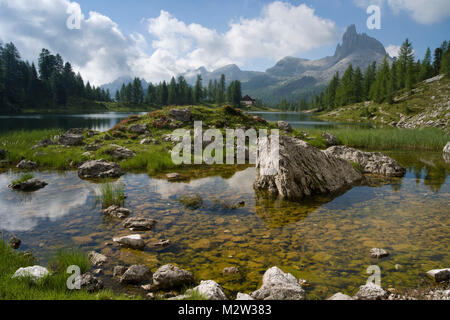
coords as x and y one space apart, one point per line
329 139
139 224
29 185
170 276
133 241
304 171
377 253
369 162
136 274
36 273
278 285
117 212
439 275
97 259
96 169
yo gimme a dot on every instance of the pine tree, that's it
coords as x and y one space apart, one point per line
405 60
198 90
358 85
164 94
437 61
172 92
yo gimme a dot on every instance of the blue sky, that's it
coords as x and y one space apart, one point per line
217 14
156 39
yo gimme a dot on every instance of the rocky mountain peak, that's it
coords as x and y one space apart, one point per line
352 42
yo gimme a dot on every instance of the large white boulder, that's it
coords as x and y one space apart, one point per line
278 285
304 170
36 273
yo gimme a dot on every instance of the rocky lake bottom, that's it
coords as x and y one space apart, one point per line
325 241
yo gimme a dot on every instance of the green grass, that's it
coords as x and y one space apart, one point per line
23 178
52 287
429 139
153 159
194 295
111 194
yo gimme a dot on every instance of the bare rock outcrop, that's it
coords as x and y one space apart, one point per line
369 162
278 285
99 169
304 170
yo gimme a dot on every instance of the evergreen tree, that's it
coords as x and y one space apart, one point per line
405 60
164 94
426 69
198 90
172 92
137 92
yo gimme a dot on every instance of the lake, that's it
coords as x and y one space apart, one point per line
95 121
325 241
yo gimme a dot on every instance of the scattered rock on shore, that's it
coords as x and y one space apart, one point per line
117 212
340 296
69 139
95 169
243 296
304 170
29 185
371 291
439 275
97 259
120 153
15 242
278 285
211 290
183 115
139 129
447 148
36 273
139 224
329 139
369 162
285 126
170 277
43 143
119 271
377 253
133 241
136 274
90 283
27 165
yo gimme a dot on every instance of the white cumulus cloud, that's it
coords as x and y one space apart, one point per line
393 50
422 11
102 53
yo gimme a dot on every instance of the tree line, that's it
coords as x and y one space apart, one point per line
50 86
380 84
179 92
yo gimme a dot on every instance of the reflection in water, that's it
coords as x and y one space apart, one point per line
326 241
23 211
97 121
305 120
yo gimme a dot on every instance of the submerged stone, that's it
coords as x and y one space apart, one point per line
170 276
29 185
377 253
133 241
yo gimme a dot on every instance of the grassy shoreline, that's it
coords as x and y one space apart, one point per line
155 158
52 287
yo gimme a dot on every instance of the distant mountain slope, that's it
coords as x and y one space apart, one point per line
293 78
117 84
